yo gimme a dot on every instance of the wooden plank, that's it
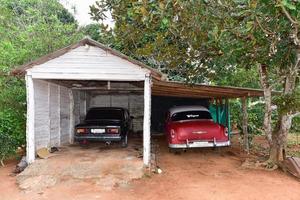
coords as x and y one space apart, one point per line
147 121
88 76
97 54
41 124
245 124
54 115
107 89
185 92
59 117
196 89
72 117
235 92
30 141
64 115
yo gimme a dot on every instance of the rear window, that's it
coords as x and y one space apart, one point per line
98 114
191 115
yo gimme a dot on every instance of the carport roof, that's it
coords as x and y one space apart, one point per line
161 87
178 89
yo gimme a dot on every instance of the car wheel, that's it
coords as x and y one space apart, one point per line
84 143
124 142
175 151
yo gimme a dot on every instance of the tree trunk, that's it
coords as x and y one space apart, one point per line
267 125
279 139
1 161
284 123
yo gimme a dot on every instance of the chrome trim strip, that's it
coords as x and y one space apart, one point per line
199 144
199 132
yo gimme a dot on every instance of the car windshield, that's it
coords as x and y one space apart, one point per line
98 114
191 115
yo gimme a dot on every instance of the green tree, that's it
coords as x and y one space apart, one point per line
28 30
198 41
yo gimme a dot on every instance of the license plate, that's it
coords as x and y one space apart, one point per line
98 130
199 142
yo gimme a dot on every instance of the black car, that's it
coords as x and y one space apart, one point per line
107 124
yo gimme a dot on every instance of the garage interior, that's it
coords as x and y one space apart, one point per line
66 102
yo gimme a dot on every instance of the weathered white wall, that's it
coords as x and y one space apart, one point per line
52 124
133 102
42 122
54 110
79 105
64 115
88 62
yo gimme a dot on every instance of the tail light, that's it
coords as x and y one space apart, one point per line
112 130
81 130
226 131
172 133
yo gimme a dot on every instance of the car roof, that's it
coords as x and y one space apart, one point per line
107 108
177 109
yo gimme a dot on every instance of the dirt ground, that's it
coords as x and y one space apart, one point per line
196 174
100 165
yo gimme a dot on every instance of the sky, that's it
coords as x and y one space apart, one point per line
80 9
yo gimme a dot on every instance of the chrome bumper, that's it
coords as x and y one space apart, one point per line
103 138
195 144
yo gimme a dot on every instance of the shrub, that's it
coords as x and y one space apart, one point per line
8 146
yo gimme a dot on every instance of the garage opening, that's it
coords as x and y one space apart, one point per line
62 104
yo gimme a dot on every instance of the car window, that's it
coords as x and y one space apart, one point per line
190 115
97 114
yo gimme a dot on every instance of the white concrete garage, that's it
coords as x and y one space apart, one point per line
61 87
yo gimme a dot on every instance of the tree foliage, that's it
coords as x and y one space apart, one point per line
28 30
228 42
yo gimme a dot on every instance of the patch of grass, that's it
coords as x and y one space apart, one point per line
293 144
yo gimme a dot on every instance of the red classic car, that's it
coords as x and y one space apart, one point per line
192 126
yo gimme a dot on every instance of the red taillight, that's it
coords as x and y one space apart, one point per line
112 130
172 133
81 130
226 131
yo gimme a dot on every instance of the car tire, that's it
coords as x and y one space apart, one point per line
175 151
84 143
124 142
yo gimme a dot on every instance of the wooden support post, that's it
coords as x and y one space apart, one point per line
245 124
226 112
147 121
30 147
72 119
227 117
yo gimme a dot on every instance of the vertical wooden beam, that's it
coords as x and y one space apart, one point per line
49 114
72 119
227 113
30 147
147 121
217 111
59 117
245 124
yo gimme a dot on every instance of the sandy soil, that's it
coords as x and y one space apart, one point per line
101 165
196 174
